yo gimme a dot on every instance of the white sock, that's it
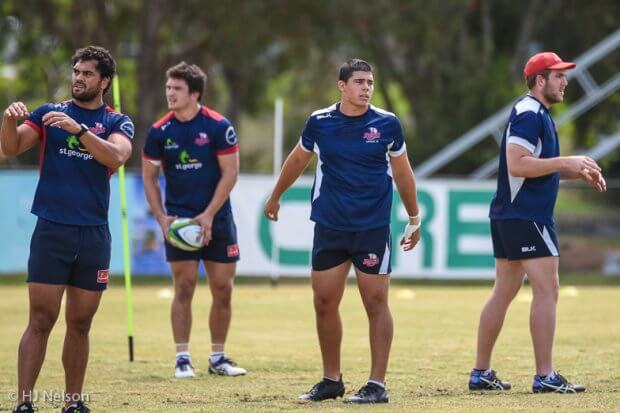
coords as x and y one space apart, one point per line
184 354
330 379
378 383
216 355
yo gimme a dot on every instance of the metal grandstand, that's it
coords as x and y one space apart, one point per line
594 93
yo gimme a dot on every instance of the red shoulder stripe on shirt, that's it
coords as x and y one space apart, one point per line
163 120
33 126
110 109
228 151
212 114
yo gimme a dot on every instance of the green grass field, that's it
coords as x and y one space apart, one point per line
273 336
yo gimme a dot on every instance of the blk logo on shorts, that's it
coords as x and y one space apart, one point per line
102 276
233 250
371 261
528 249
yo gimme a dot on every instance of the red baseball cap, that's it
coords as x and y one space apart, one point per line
543 61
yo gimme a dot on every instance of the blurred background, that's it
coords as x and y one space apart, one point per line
449 69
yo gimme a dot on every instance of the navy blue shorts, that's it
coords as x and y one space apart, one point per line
73 255
223 246
517 239
368 250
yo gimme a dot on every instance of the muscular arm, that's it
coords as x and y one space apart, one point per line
522 164
14 139
294 165
405 183
112 152
229 168
150 180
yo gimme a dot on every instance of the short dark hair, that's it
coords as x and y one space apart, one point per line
353 65
106 66
531 80
193 75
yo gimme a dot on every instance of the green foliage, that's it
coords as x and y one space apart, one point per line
441 66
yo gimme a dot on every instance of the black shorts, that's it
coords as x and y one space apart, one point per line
223 246
517 239
370 251
70 255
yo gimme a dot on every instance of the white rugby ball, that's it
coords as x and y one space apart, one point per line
185 234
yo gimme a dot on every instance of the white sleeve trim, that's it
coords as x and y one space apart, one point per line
154 162
522 142
398 152
301 145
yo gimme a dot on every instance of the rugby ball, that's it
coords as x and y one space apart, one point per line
185 234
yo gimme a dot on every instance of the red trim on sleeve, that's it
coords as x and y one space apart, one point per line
163 120
42 149
228 151
210 113
110 109
33 126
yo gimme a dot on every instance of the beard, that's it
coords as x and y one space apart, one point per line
86 95
550 96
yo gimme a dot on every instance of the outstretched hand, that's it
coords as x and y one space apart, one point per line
593 178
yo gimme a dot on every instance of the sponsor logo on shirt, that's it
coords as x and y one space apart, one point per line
372 135
75 149
202 139
232 250
187 162
170 144
327 115
127 129
102 276
231 136
371 261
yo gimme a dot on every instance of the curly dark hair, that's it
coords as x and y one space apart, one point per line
106 66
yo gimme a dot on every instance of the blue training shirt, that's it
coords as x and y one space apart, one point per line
532 199
73 187
188 154
352 189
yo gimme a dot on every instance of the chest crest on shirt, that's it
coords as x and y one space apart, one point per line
372 135
97 129
202 139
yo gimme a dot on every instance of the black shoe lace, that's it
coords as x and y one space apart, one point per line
317 388
365 391
562 379
225 360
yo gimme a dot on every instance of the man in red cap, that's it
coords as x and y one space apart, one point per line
522 224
